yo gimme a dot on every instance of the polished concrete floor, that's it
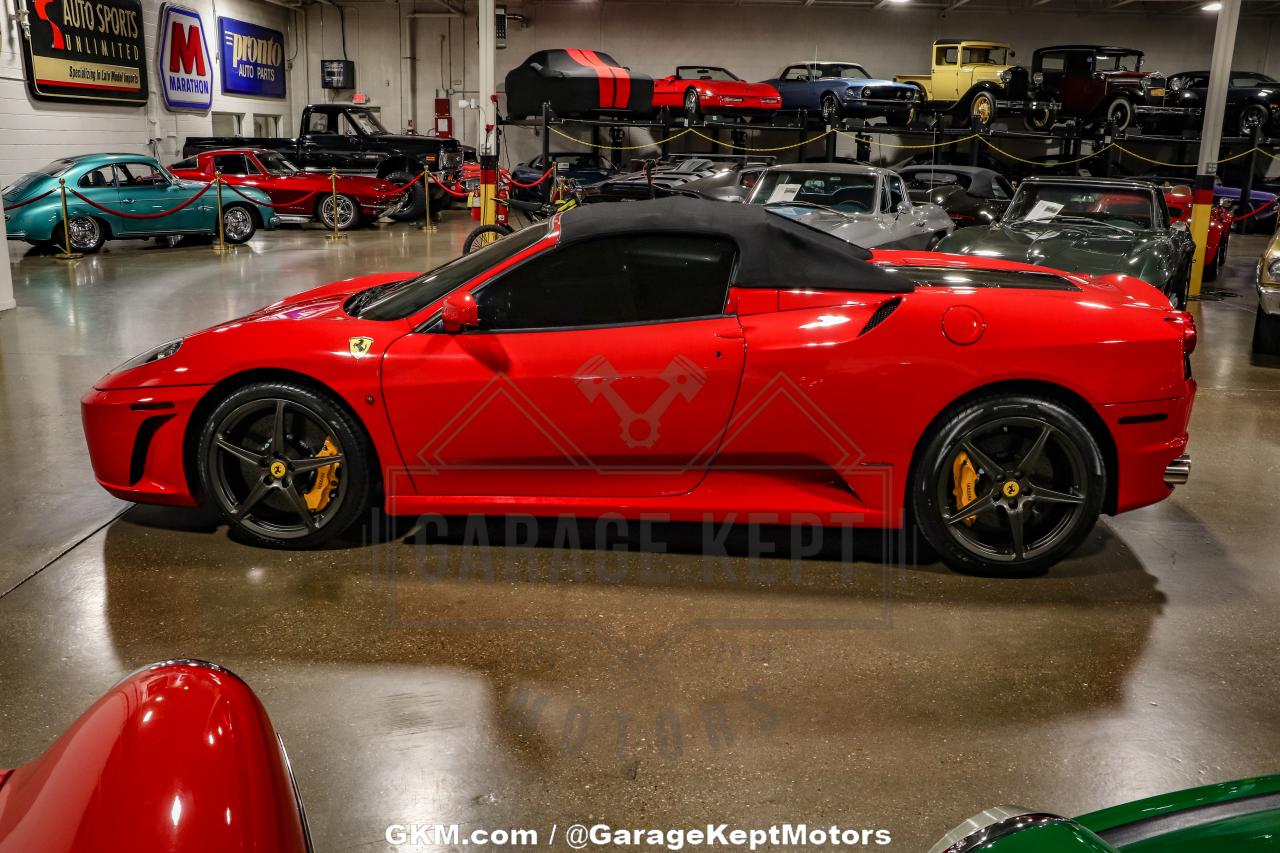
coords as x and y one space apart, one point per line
435 680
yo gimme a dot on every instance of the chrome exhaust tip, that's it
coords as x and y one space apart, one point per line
1178 471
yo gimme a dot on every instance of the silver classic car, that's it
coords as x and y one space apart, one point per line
864 205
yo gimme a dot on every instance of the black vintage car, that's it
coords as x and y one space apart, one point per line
353 141
970 195
723 177
577 83
1253 99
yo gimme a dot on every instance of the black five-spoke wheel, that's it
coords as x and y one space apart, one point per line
285 465
1008 485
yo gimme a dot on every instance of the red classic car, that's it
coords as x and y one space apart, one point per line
706 89
298 196
685 358
1178 198
180 757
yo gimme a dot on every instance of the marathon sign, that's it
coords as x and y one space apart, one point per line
252 59
85 51
186 69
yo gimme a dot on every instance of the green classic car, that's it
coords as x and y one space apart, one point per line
1096 226
125 196
1240 817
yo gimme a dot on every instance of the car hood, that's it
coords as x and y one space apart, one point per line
1087 249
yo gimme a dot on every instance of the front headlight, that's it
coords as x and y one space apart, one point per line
1273 269
1038 78
1177 83
162 351
1006 75
866 92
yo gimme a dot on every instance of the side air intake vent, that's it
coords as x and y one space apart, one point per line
882 313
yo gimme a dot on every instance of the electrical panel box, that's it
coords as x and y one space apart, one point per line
337 74
500 27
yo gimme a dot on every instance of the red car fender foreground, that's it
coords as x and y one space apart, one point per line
821 384
295 193
179 757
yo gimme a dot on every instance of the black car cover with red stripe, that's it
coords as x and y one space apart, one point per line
577 82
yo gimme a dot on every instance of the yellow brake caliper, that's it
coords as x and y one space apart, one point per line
965 477
321 491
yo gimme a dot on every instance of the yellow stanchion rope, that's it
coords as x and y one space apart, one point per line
880 144
715 141
653 144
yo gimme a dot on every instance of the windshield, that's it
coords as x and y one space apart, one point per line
404 299
695 72
1250 80
842 69
1127 208
930 179
367 122
847 192
275 163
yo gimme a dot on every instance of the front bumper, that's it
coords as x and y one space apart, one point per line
1269 298
136 439
1033 106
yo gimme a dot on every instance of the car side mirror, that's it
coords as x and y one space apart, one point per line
460 312
1180 226
901 208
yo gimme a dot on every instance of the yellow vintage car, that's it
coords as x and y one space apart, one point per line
972 78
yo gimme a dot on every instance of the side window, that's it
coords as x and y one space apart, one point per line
1000 188
1052 62
140 175
97 179
796 72
886 204
231 164
947 55
188 164
318 123
640 278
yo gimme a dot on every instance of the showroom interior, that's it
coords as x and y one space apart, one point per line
529 645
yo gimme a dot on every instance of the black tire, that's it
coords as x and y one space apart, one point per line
239 224
88 233
983 106
483 236
829 109
1266 333
1016 485
1252 116
1120 111
416 206
1212 265
692 106
262 491
1039 120
348 212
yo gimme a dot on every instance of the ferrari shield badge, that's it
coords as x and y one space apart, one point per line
360 346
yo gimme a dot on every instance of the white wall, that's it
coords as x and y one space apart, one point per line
34 132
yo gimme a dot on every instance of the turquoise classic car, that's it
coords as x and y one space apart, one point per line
121 197
1240 817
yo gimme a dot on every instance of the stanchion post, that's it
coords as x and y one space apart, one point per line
488 189
976 126
1109 158
1246 189
220 246
829 149
66 254
428 223
333 185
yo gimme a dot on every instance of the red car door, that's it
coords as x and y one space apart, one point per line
605 368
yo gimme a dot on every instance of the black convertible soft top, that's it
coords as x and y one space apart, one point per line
773 251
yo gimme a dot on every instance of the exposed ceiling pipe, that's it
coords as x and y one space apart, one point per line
433 15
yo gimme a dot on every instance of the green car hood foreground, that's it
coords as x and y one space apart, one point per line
1231 817
1089 249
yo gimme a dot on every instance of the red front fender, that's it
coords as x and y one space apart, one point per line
179 757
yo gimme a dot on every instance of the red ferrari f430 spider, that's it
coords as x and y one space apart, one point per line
687 358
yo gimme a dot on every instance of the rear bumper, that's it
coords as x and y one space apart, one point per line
1151 447
136 439
1269 298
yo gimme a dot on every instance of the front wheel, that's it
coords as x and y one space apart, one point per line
1007 485
830 107
983 107
1039 120
414 204
1119 112
1266 333
238 225
692 106
286 466
1252 117
483 236
348 215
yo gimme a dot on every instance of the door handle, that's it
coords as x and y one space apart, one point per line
127 200
731 334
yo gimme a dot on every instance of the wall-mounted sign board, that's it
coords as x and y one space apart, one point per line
252 59
85 52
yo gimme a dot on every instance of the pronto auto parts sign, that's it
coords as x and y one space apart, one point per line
186 69
252 59
85 51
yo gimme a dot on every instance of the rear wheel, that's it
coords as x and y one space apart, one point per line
348 215
1008 485
238 224
1266 333
87 234
285 465
483 236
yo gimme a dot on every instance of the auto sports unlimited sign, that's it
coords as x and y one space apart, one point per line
85 51
186 69
252 59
